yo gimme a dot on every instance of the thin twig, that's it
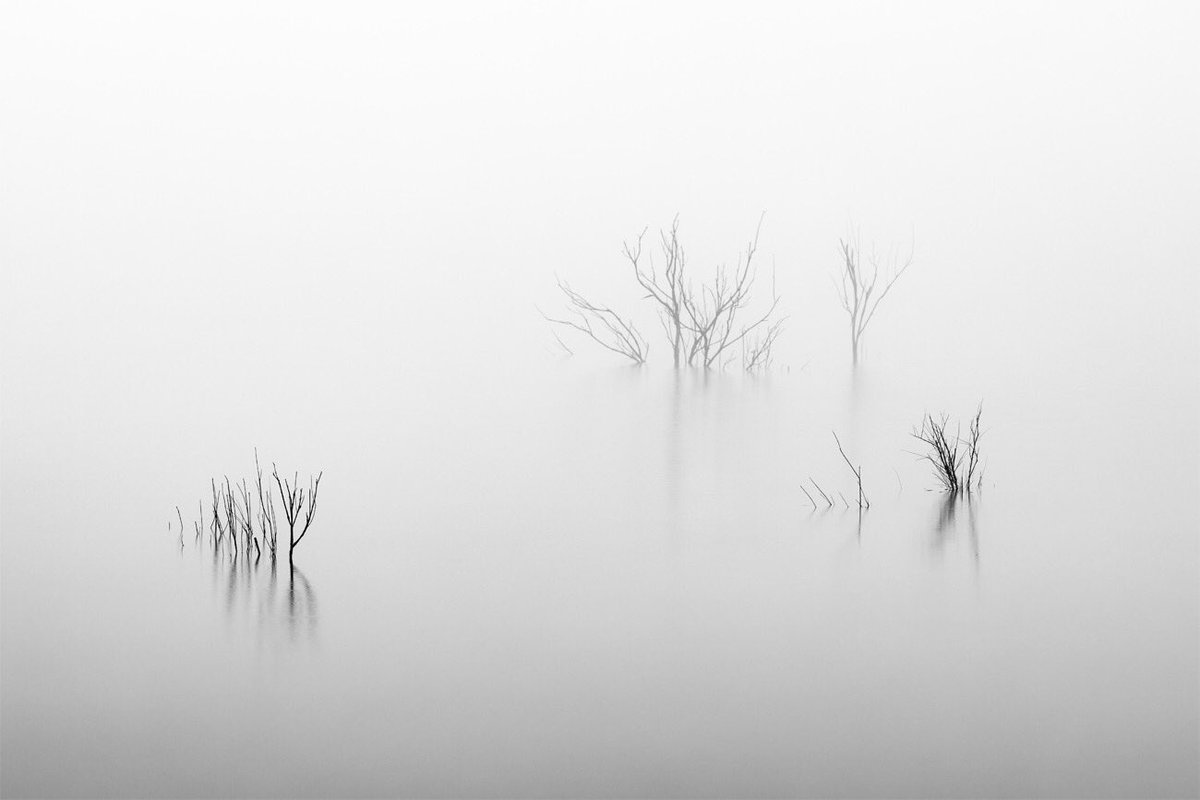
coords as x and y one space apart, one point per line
862 497
818 488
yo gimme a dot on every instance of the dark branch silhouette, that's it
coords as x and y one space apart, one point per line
297 504
955 460
268 525
863 502
942 450
828 502
237 526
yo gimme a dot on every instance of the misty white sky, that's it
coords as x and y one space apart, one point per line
191 186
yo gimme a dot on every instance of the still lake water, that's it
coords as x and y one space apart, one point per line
579 579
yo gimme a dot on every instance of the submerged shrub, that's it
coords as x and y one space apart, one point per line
955 459
238 526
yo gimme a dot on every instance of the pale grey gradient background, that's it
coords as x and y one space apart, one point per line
323 230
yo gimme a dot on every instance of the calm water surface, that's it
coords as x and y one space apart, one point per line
579 579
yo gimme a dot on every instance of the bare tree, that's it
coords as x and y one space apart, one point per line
703 326
296 504
605 326
668 291
862 288
712 313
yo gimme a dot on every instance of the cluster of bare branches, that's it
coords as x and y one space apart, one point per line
862 288
714 311
603 325
232 522
955 459
669 290
757 351
704 325
942 450
237 526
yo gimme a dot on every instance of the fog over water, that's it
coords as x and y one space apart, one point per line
326 232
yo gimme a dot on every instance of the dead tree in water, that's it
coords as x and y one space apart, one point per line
956 460
231 516
668 291
943 452
860 289
297 503
237 526
712 313
704 325
605 326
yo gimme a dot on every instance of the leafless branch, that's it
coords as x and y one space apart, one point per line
942 450
711 314
809 496
603 325
668 290
863 502
822 493
295 504
974 434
